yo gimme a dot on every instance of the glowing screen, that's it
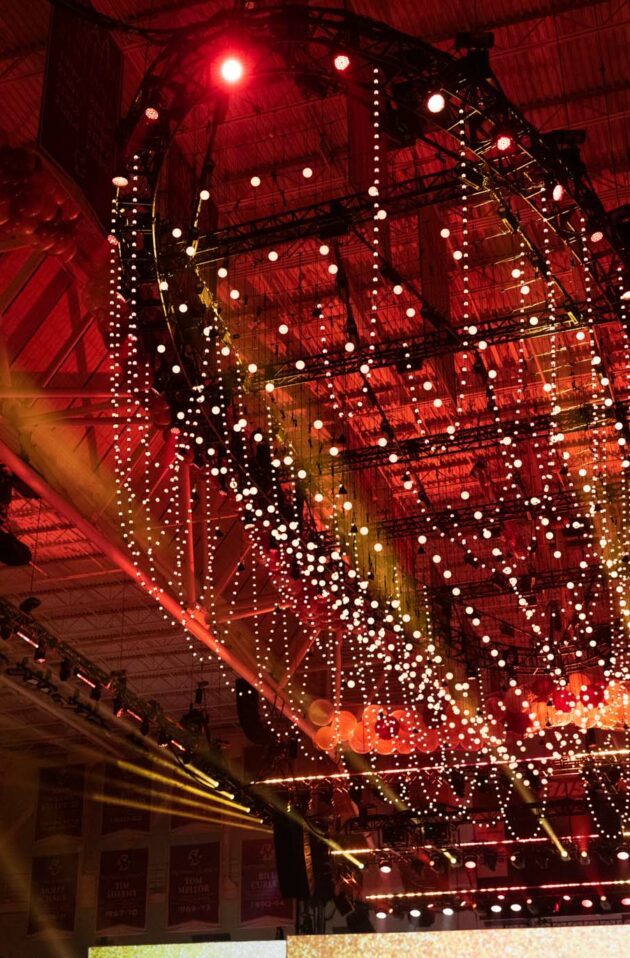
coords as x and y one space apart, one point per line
602 941
207 949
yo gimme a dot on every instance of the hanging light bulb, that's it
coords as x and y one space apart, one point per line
341 62
435 103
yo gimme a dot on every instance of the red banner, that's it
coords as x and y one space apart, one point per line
53 893
119 785
60 801
122 889
193 885
260 891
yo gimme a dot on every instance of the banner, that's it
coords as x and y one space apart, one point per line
193 884
53 893
80 108
122 888
60 801
260 891
119 784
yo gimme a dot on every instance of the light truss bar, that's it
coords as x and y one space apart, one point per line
464 440
414 350
402 526
334 217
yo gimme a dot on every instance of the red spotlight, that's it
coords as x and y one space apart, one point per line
597 236
558 192
341 62
587 903
504 142
152 114
231 70
625 902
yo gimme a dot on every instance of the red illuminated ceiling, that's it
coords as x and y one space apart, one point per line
562 71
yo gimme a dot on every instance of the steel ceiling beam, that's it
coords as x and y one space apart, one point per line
194 619
412 350
463 440
464 517
333 217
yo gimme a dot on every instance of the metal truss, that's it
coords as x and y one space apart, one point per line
330 218
528 585
76 674
464 517
411 351
485 435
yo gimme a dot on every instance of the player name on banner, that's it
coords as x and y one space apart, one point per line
120 817
193 886
60 801
261 900
122 889
53 893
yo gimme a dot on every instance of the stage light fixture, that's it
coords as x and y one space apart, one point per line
470 862
448 912
152 114
625 902
623 854
415 912
597 236
341 62
435 103
586 903
120 181
385 868
381 915
496 909
516 906
231 70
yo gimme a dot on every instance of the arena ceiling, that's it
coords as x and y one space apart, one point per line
564 65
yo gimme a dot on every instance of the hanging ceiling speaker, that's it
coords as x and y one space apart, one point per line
12 551
247 701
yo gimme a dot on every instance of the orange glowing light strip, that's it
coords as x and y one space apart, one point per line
501 889
489 844
419 769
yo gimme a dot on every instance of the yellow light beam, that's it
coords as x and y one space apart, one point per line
528 796
135 791
156 777
167 810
